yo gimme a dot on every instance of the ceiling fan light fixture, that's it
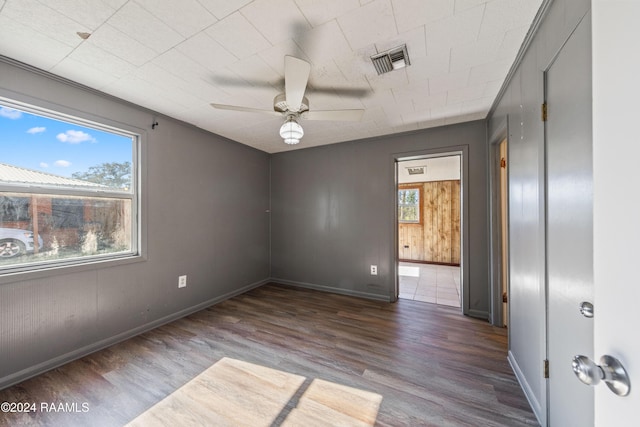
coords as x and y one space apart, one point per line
291 132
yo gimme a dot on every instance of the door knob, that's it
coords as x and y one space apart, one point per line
610 371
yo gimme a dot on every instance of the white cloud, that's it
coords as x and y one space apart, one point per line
10 113
62 163
35 130
75 137
44 165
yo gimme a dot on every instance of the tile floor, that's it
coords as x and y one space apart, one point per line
439 284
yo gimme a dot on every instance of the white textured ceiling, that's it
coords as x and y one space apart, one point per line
177 56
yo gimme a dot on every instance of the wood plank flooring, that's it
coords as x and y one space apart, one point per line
281 356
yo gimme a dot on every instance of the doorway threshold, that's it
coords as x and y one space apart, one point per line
436 284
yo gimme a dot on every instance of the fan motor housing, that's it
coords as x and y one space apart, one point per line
280 104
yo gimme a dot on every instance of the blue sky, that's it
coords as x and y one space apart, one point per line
52 146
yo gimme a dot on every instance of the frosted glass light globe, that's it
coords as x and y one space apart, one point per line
291 131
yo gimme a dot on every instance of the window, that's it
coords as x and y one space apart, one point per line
14 208
409 205
68 190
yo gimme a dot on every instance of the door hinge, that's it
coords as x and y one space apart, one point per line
545 368
504 297
503 163
544 112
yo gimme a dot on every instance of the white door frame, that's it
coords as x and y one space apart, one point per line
501 133
463 152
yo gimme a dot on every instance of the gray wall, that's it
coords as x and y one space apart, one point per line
204 213
333 212
520 108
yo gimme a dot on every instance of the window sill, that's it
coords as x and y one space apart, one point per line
45 271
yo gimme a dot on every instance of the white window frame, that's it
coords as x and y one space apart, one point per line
417 206
135 252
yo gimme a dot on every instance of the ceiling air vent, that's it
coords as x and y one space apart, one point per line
417 170
393 59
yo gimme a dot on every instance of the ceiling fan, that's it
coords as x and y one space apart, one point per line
293 105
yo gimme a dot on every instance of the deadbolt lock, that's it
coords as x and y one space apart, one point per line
586 309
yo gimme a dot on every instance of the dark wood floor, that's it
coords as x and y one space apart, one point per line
285 356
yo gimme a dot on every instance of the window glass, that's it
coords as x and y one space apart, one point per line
67 189
409 205
14 208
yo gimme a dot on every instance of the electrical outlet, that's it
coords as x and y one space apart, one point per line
374 270
182 281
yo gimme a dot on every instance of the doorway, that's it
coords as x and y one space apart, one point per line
429 228
504 230
499 181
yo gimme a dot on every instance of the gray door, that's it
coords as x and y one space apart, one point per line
569 227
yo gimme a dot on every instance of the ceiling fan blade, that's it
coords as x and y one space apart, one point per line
246 109
296 76
238 82
335 115
340 91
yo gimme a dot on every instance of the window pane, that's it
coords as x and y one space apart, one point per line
67 190
411 198
13 209
66 213
409 205
408 214
65 227
48 152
